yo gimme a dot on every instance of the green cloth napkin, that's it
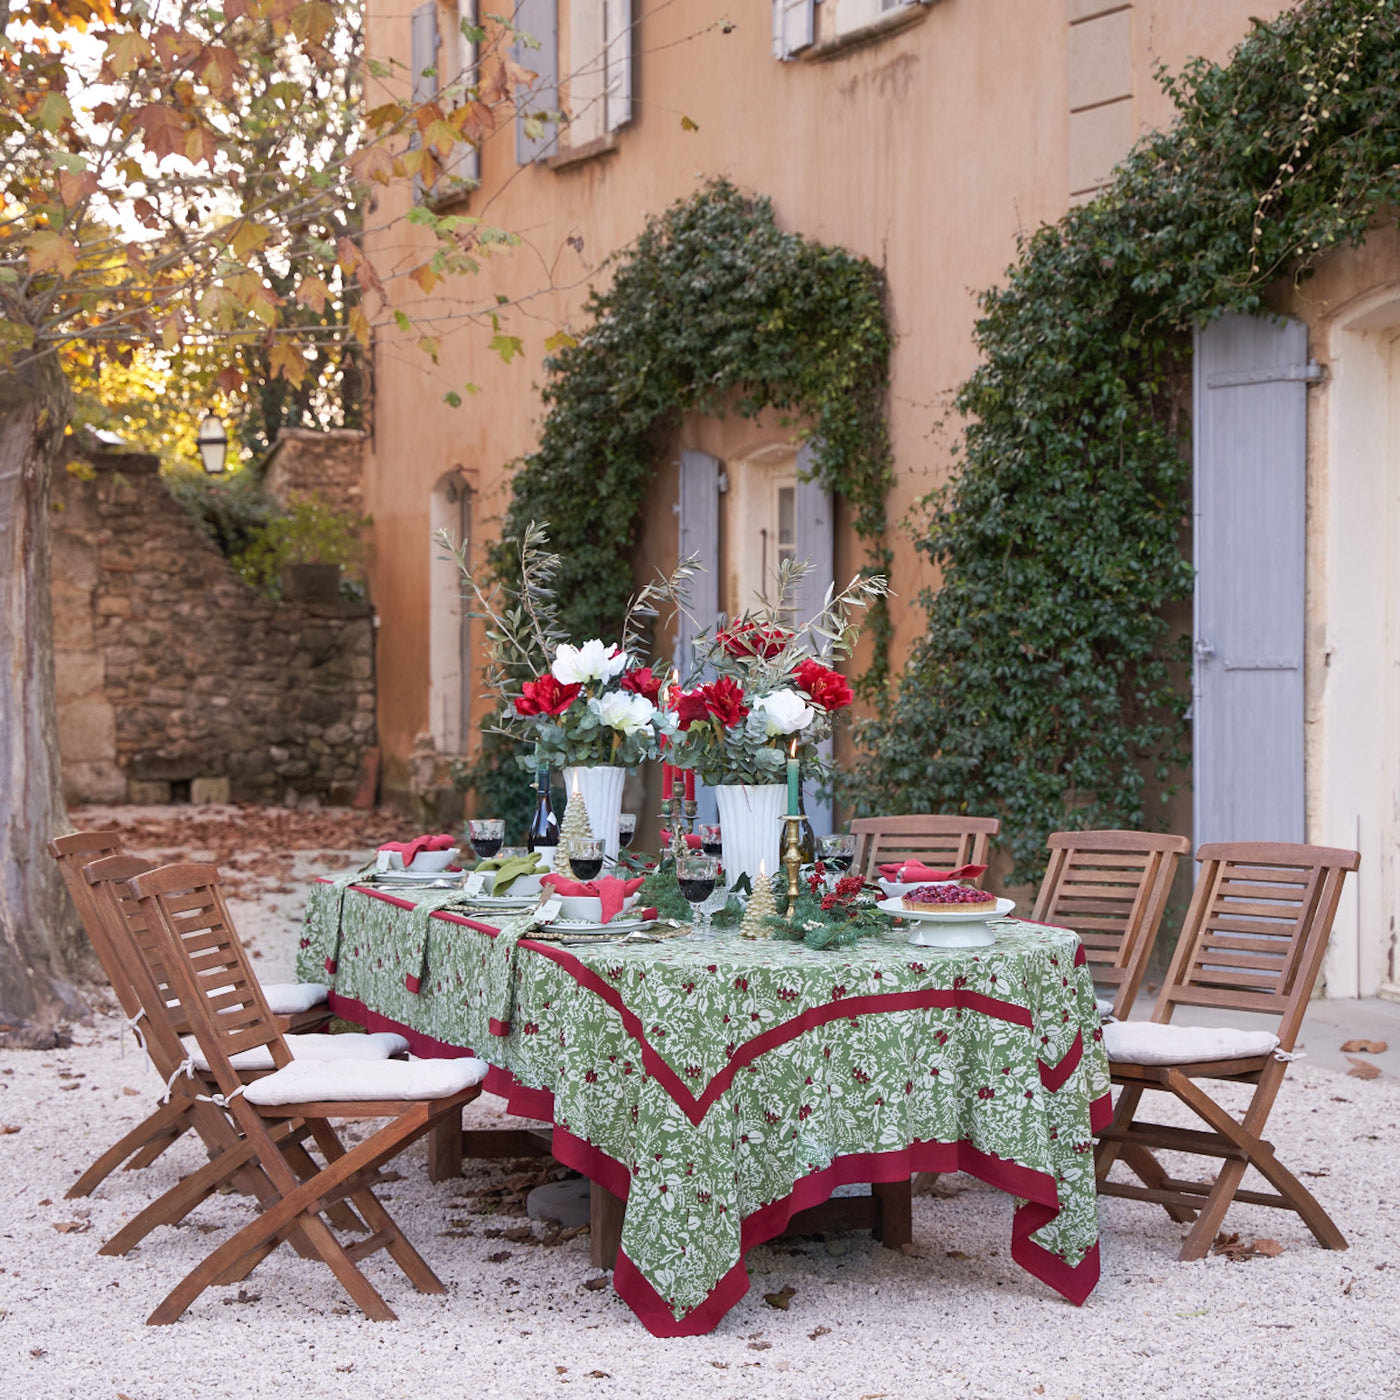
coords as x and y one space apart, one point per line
510 869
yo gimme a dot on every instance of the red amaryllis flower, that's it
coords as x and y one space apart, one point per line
641 682
828 688
749 639
546 696
724 699
689 706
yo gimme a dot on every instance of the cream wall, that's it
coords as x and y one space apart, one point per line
928 152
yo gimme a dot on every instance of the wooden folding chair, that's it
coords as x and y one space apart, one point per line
219 996
943 842
1253 940
139 977
1111 888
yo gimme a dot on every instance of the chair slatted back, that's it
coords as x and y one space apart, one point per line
140 959
73 852
942 842
1257 929
184 906
1111 888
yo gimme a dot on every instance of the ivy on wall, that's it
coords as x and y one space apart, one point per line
712 299
1049 680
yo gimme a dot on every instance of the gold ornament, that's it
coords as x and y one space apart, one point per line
760 908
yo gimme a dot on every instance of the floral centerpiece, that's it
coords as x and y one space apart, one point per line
580 706
774 693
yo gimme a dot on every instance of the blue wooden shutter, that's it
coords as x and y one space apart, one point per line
815 541
423 51
540 20
617 63
1250 463
698 509
794 26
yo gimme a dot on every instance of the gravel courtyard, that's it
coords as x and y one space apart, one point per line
953 1318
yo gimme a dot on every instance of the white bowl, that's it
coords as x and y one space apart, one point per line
586 908
430 861
522 887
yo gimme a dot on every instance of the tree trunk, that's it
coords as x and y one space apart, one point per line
39 932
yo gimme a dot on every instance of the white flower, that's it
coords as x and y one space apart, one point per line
784 712
620 710
593 661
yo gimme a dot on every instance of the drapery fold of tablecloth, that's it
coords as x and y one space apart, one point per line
721 1086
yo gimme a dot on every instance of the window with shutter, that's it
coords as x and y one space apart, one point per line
617 63
537 126
794 27
423 57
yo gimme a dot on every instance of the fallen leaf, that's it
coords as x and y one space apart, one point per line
1365 1047
130 1092
522 1234
37 1352
499 1257
760 1346
1323 1171
79 1086
1232 1247
8 1128
243 1297
1039 1390
720 1365
72 1227
781 1298
346 1368
819 1331
560 1370
594 1284
601 1375
1346 1292
954 1254
46 1202
1360 1069
1270 1249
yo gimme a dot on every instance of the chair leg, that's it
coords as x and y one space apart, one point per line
1138 1160
164 1126
895 1227
1203 1233
1300 1199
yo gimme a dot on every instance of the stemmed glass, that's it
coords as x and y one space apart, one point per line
696 876
586 857
626 829
487 835
838 852
711 839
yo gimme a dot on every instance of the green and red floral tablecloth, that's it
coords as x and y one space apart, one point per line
720 1085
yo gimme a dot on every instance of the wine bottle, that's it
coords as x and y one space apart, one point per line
543 835
806 837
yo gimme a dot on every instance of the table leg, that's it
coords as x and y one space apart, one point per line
895 1227
445 1148
605 1212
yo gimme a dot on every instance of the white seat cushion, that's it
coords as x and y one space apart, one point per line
289 998
360 1048
1103 1005
310 1081
1148 1043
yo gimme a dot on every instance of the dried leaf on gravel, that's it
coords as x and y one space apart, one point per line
1365 1047
781 1298
8 1128
499 1257
600 1375
243 1297
1232 1247
130 1092
594 1284
72 1227
954 1254
818 1331
522 1234
760 1346
1360 1069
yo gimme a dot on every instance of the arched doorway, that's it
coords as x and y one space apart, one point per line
449 624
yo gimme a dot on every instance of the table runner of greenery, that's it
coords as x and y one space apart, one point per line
713 1080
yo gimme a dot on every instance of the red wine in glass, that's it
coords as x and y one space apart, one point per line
486 846
711 841
697 891
586 868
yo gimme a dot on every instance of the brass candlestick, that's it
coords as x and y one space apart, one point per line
792 859
691 807
671 815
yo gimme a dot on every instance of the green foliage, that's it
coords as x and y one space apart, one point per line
1049 678
311 532
232 510
712 299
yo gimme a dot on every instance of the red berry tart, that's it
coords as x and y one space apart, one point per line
947 899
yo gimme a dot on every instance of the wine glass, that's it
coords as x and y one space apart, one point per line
711 842
696 876
626 829
586 857
838 852
487 836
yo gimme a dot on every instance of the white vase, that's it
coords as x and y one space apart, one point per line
749 824
600 786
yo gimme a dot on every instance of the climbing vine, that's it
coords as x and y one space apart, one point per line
1050 680
713 307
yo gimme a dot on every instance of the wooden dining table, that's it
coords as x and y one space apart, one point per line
718 1085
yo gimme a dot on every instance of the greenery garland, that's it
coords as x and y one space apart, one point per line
1050 679
712 308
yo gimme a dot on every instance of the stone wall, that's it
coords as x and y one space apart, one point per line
175 678
306 461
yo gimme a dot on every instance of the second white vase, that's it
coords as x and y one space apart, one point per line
750 828
600 786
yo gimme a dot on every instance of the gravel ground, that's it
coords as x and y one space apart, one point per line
954 1318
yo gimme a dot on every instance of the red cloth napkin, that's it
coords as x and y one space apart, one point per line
410 849
692 841
910 872
609 891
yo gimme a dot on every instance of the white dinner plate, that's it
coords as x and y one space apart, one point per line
587 926
416 877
